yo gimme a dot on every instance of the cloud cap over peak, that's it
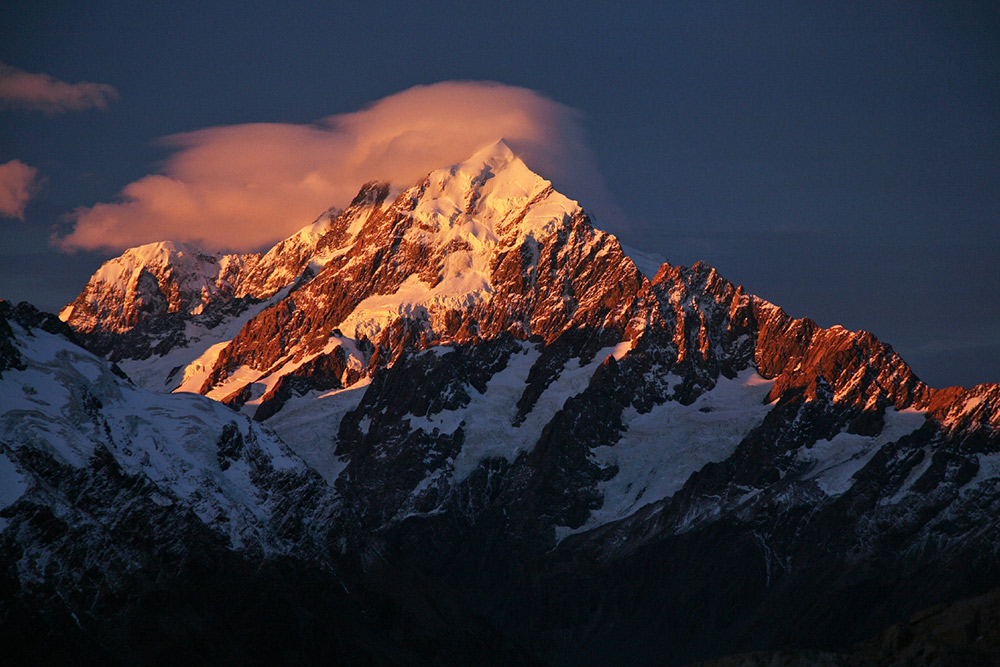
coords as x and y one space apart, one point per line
243 187
41 92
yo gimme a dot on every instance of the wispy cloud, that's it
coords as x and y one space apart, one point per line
40 92
241 187
18 183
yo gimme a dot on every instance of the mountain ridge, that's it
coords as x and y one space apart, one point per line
399 277
495 400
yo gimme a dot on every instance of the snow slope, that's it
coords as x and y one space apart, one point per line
196 453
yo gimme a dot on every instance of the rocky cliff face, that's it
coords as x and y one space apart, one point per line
145 528
483 392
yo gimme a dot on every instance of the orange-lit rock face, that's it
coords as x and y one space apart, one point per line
468 253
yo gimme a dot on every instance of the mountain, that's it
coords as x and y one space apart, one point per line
489 405
142 527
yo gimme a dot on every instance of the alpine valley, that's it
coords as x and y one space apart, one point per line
459 424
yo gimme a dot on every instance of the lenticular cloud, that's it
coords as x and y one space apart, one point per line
243 187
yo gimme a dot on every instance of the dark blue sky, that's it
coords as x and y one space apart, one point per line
840 160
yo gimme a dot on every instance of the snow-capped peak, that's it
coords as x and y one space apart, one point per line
180 276
479 199
461 217
153 256
493 154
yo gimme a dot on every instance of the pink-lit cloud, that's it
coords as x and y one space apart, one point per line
40 92
18 183
242 187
